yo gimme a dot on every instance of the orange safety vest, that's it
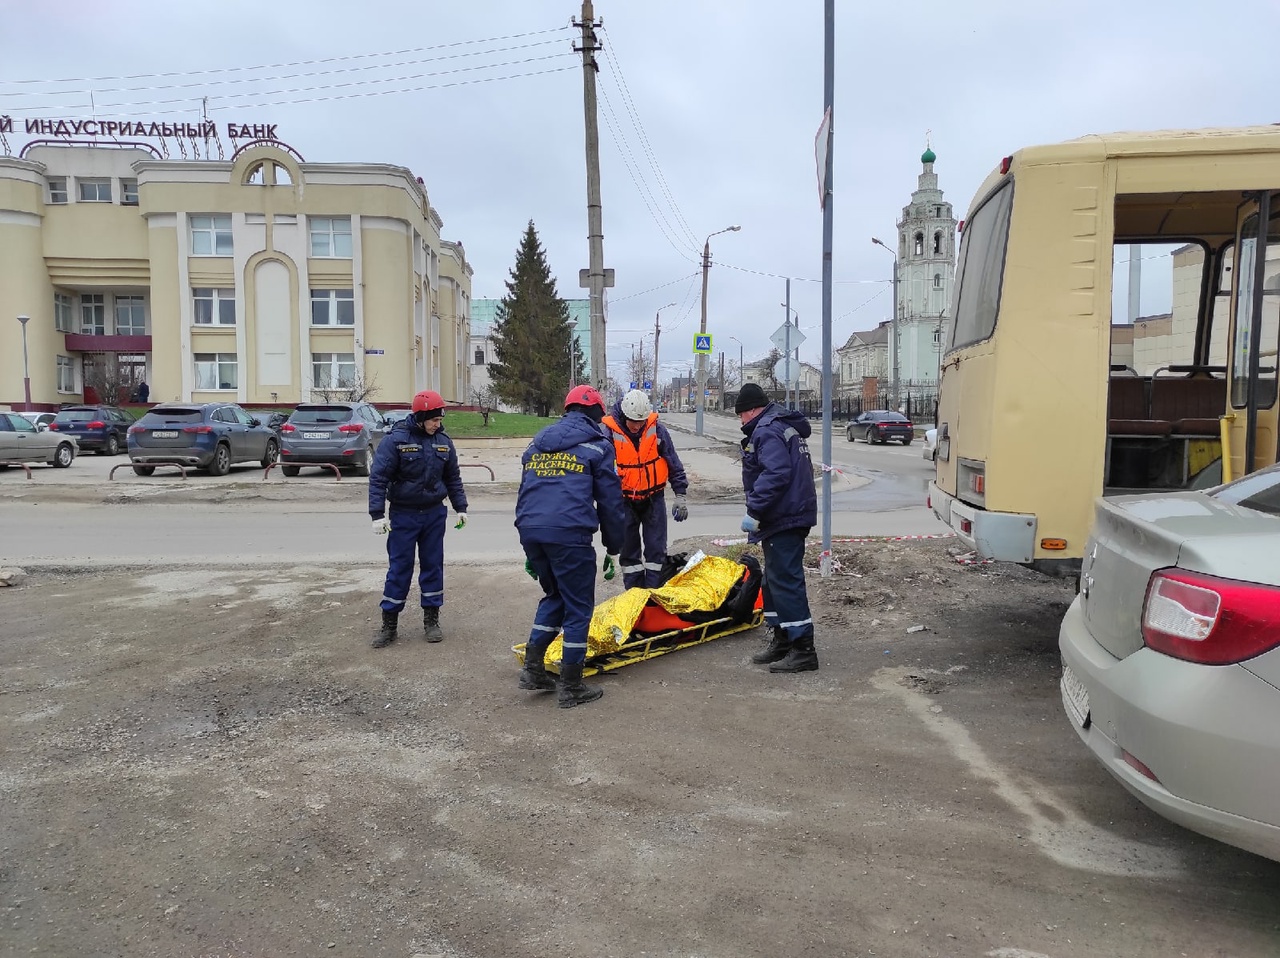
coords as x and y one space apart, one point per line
641 467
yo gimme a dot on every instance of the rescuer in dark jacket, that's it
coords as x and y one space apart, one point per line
782 507
415 470
647 460
568 488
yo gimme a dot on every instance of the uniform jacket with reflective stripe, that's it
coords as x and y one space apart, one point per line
648 461
777 473
569 486
415 471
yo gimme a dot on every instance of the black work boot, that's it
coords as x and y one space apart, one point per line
431 624
534 677
572 689
387 634
800 658
777 648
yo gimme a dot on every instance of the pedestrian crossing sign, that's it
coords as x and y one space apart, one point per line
702 342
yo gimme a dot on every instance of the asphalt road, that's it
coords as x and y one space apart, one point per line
237 525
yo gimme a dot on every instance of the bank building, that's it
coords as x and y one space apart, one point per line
259 278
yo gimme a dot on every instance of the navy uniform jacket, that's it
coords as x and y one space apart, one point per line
569 486
777 472
415 471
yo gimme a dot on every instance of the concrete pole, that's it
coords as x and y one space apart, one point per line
595 215
828 225
702 357
1135 284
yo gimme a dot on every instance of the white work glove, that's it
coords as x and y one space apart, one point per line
462 520
680 509
381 526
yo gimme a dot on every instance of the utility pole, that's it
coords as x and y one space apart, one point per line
595 278
828 224
702 357
786 387
657 331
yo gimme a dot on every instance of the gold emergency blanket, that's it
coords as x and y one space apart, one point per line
702 586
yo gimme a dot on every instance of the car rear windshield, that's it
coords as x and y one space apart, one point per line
1260 492
889 417
173 414
77 415
321 414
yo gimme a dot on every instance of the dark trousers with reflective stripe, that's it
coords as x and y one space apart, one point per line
647 529
420 531
786 603
567 574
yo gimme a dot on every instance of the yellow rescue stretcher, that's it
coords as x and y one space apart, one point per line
709 598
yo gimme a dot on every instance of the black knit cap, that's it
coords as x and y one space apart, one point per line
751 396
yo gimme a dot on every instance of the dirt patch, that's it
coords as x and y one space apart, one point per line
217 765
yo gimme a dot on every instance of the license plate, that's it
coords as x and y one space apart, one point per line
164 434
1075 697
315 435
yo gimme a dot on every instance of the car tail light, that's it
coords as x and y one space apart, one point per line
351 427
137 429
1201 618
96 424
53 426
201 429
288 427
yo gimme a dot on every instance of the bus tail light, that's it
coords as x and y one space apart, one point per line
978 483
966 526
1006 164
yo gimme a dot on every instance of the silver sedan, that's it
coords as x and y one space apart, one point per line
1171 655
20 441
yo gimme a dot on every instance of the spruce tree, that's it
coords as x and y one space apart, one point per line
532 335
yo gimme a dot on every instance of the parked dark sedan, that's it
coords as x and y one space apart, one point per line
343 434
104 429
881 425
211 436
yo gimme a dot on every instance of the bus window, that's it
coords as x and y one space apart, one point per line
1155 305
1270 337
981 270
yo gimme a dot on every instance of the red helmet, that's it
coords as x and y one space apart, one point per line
427 399
583 395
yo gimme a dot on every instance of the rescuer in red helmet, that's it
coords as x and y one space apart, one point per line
569 487
414 471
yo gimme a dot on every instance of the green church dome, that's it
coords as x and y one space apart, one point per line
928 156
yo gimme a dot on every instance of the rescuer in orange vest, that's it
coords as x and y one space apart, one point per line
646 459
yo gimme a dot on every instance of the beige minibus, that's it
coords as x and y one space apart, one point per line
1049 396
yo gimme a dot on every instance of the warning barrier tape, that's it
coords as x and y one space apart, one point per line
941 535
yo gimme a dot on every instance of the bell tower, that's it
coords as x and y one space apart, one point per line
926 264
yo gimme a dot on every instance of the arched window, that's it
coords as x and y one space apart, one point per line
937 243
937 281
919 244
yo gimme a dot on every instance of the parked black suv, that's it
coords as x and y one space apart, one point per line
104 429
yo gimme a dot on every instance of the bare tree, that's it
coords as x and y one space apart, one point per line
112 380
486 400
732 374
638 371
769 370
356 388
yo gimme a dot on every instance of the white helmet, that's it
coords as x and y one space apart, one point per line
635 405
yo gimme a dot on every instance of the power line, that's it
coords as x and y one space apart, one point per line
205 84
651 289
340 86
295 63
638 125
610 119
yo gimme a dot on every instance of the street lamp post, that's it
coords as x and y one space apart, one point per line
741 374
702 357
893 329
26 371
792 374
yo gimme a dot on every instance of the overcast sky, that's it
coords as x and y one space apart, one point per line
728 94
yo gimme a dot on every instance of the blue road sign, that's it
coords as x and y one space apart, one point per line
632 385
702 342
648 385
